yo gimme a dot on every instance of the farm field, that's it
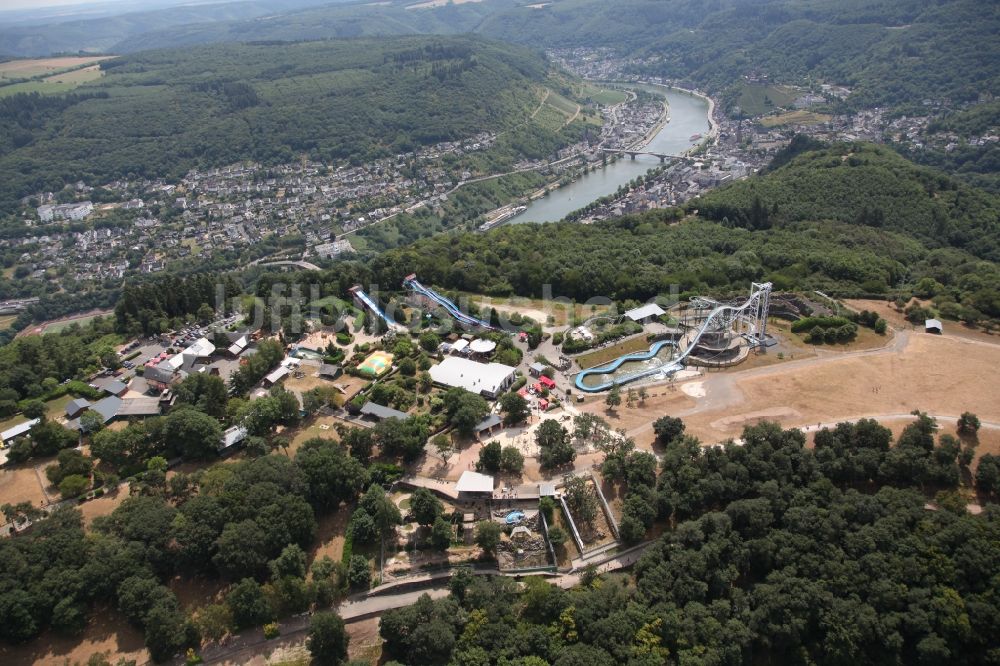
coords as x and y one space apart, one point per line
49 76
57 325
754 98
604 96
6 321
28 68
800 117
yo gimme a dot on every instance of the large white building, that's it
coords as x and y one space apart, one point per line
486 379
70 211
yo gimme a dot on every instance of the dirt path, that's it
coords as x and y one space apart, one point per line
541 104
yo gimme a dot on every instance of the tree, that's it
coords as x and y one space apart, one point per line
511 460
359 575
241 550
631 529
630 398
443 445
441 533
553 441
192 433
464 410
166 631
514 408
557 536
580 499
667 429
383 511
73 485
291 563
214 621
489 457
968 425
425 506
249 606
988 474
614 398
488 536
360 442
328 639
90 422
332 475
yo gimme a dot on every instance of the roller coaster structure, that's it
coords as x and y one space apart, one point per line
748 320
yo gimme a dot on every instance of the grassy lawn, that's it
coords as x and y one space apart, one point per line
6 321
337 303
795 118
754 98
60 325
608 354
604 96
54 409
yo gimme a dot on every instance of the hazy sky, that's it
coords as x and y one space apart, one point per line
39 4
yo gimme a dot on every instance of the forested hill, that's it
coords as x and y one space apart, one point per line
849 220
160 113
888 51
866 185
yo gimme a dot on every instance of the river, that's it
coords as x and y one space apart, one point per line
688 116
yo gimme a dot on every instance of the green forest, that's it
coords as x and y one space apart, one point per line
777 554
868 186
888 51
161 113
851 220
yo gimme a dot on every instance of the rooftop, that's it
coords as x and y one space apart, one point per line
232 436
474 482
18 430
645 311
381 412
490 421
277 374
474 377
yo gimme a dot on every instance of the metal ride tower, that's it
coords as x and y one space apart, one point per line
747 320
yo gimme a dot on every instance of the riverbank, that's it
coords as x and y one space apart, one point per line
713 127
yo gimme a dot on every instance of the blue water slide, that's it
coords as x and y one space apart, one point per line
615 364
373 306
674 365
413 284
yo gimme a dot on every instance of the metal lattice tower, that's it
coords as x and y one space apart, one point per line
756 314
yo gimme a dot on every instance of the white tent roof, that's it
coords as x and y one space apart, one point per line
277 374
200 347
474 482
459 345
648 310
482 346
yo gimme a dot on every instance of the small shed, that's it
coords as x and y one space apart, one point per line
536 369
329 371
933 326
488 425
